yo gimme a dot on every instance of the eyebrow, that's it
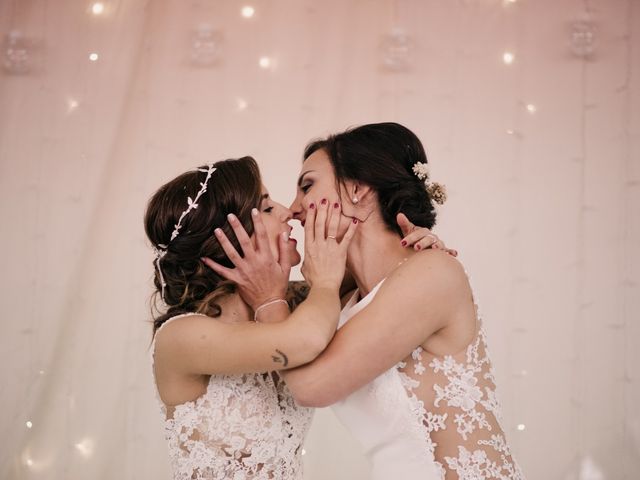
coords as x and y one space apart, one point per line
302 177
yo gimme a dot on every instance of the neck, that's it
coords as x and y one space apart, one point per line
373 254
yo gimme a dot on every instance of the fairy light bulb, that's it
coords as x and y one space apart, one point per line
97 8
264 62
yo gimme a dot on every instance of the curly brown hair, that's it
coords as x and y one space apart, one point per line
235 187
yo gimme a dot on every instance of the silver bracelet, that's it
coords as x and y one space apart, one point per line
264 305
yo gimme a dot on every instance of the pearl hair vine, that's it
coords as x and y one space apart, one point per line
436 191
192 203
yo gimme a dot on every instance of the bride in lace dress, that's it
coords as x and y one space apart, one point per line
408 372
228 415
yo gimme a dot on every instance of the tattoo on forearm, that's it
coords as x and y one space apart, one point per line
297 293
280 358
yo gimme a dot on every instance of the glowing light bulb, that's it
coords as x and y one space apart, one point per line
72 104
241 104
85 447
304 452
97 8
521 427
248 11
93 57
29 462
510 131
29 424
531 108
265 62
508 58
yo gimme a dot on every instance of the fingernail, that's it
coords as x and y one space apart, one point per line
418 247
285 235
336 205
202 259
355 220
313 205
231 217
218 231
324 201
404 243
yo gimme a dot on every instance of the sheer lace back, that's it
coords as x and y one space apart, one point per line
444 406
463 420
243 427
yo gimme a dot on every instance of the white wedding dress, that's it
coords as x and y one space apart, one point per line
244 427
430 417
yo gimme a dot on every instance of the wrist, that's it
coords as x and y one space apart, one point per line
272 310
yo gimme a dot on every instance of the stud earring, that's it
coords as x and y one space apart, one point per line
355 199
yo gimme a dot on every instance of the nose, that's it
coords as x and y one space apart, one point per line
296 208
285 214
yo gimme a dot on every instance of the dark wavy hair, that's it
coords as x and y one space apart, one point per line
235 187
382 156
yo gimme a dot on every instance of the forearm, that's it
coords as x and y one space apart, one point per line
320 312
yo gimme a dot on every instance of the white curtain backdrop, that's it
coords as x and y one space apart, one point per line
540 151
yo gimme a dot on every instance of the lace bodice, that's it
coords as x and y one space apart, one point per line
451 402
244 427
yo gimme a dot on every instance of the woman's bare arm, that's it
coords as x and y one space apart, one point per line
417 300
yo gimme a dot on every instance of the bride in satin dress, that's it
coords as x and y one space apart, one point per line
408 372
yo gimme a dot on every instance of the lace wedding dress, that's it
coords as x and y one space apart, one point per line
244 427
430 417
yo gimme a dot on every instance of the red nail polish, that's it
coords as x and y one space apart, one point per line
313 205
324 201
404 244
418 247
336 205
355 220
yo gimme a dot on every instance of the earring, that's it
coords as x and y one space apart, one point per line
355 199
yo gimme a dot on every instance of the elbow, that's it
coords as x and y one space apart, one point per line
312 399
313 346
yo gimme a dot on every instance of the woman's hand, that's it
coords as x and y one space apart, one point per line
258 276
325 257
420 238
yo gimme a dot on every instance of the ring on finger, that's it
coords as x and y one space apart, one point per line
331 236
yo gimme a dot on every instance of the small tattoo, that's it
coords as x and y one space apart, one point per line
280 358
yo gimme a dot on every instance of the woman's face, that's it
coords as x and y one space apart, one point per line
317 181
276 220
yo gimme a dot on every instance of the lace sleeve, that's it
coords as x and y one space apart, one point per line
297 293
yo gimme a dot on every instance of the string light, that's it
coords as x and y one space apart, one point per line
85 447
508 58
29 424
97 8
241 104
521 427
531 108
265 62
248 11
93 57
72 104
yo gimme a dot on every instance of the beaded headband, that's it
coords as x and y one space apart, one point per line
436 190
192 203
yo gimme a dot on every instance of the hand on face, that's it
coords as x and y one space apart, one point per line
325 254
259 276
